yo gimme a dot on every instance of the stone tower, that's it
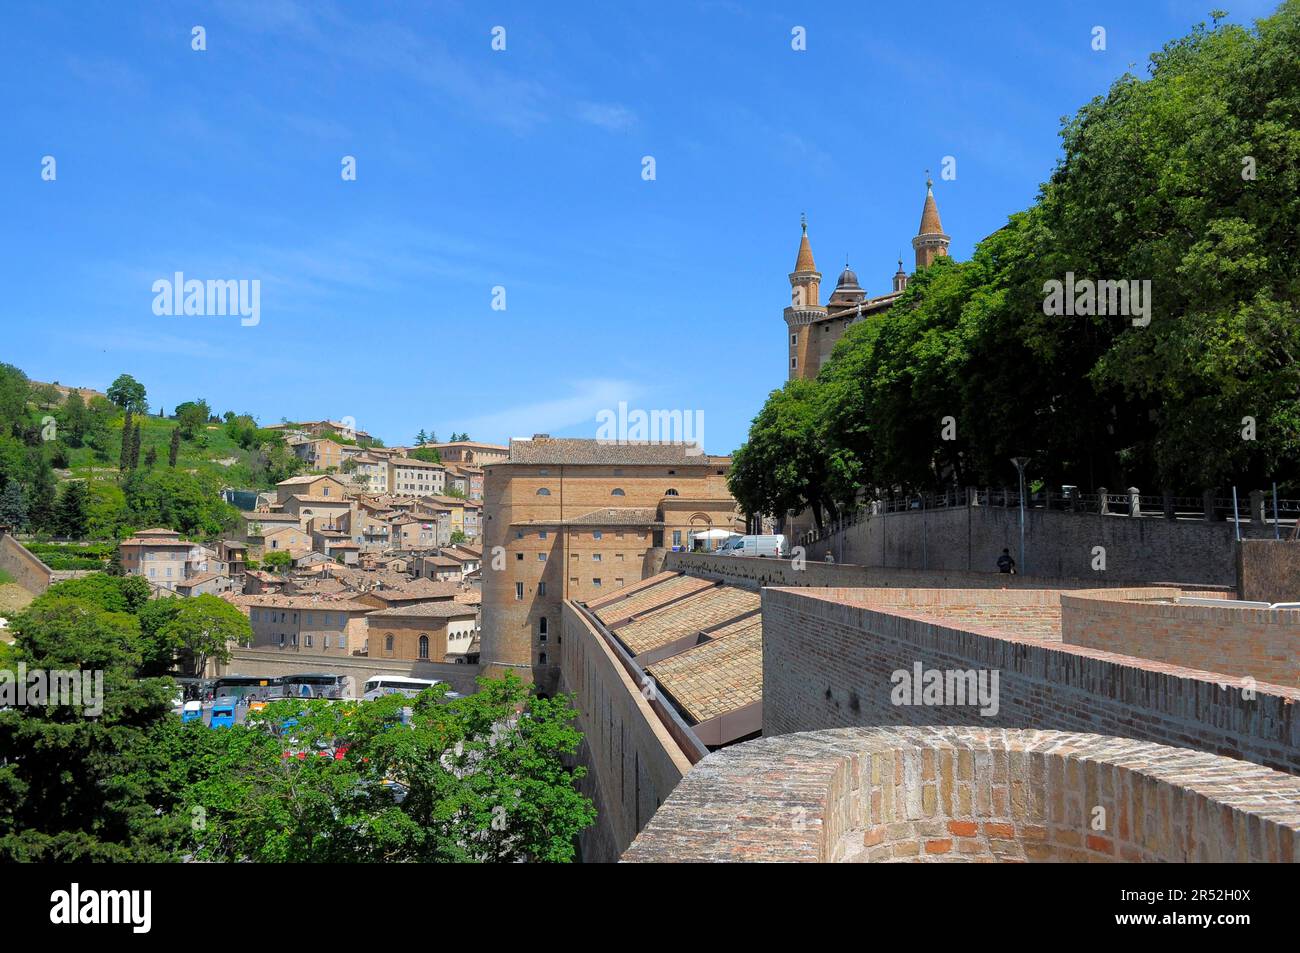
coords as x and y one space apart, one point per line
805 308
930 241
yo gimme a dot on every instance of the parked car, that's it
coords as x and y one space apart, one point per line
193 711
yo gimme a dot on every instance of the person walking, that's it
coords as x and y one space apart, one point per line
1005 563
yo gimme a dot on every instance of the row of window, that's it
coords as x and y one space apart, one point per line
574 534
280 615
309 641
617 491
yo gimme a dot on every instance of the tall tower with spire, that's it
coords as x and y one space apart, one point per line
930 241
805 308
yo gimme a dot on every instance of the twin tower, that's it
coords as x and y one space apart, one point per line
814 328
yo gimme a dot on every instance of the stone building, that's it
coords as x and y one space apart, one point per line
566 518
814 328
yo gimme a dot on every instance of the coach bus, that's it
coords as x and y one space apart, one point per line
314 685
262 687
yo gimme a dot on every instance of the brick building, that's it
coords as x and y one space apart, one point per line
567 518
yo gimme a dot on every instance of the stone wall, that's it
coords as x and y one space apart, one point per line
1058 544
829 656
1269 570
756 572
28 571
1263 644
948 794
633 762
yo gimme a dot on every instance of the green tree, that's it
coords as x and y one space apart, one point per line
74 422
71 510
276 560
457 536
203 629
13 506
128 394
782 468
124 456
421 437
15 390
174 449
481 778
427 454
76 785
192 416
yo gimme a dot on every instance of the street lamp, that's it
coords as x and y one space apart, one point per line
1020 468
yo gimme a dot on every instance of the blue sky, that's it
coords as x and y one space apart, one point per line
519 169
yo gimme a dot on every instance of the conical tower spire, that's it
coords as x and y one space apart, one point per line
804 263
930 241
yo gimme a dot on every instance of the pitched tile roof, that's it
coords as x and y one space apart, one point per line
574 451
718 676
699 611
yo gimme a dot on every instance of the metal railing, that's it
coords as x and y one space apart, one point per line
1255 508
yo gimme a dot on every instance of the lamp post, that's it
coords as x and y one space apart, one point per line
1020 468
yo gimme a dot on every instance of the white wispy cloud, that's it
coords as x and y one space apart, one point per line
611 116
585 399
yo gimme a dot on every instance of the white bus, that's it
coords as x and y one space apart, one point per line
382 685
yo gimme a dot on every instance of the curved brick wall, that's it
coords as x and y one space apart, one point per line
972 794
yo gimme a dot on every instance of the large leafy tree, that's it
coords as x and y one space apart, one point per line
480 778
202 628
75 784
782 467
128 394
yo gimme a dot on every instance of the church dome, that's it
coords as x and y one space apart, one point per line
848 280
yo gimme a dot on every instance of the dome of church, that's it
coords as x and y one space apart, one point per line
848 280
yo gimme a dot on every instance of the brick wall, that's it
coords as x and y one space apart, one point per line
1057 544
1269 570
28 571
633 763
945 794
1263 644
829 654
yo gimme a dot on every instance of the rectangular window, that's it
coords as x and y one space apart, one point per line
596 581
542 534
327 641
595 557
541 627
794 339
597 534
541 557
519 590
343 641
541 588
794 363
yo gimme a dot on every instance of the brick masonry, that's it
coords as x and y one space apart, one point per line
829 654
633 762
951 794
1269 570
1263 644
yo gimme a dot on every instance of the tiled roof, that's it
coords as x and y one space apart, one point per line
571 451
275 601
720 675
699 611
652 597
200 579
425 610
157 541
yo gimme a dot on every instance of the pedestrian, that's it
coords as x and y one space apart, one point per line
1005 563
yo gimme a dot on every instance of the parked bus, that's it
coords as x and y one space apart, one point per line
314 685
262 687
382 685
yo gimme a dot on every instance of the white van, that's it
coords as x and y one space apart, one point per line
773 546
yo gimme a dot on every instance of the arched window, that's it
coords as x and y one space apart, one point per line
388 642
670 492
617 491
424 646
543 492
